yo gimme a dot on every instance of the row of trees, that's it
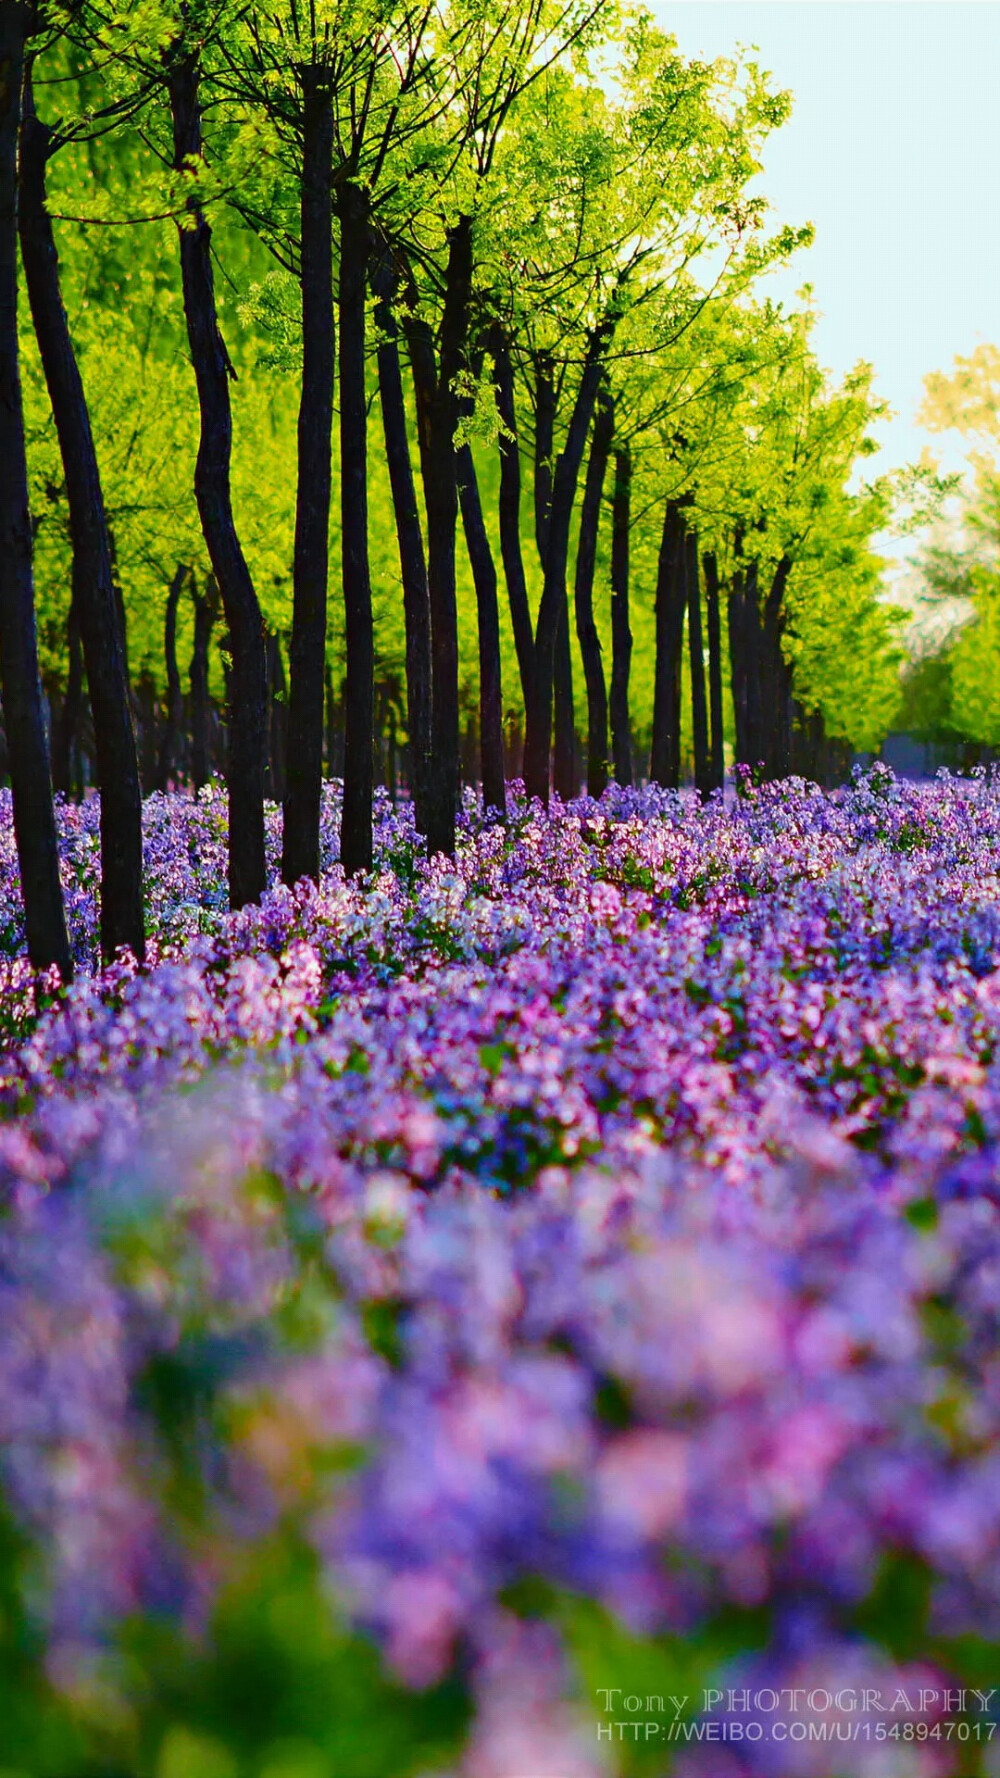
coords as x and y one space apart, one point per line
520 238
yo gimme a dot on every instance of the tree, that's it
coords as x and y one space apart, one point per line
95 600
27 752
213 370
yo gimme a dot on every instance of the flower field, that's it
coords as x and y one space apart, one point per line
452 1323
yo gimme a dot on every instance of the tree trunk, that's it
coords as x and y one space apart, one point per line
247 747
484 577
66 729
166 764
510 512
736 605
564 750
717 766
204 618
586 629
332 727
776 679
671 599
545 419
27 751
277 700
753 649
359 692
539 712
412 562
699 707
303 776
621 634
94 597
441 487
565 776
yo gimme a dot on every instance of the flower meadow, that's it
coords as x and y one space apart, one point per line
527 1316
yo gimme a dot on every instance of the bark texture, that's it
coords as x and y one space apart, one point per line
93 583
247 748
696 651
586 628
303 765
713 626
538 735
671 600
621 632
27 750
412 561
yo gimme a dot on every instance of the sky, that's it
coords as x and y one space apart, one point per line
893 153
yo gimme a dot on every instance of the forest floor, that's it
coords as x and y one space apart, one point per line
526 1316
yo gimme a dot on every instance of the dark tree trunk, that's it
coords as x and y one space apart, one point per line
101 629
671 599
303 775
717 766
441 489
621 633
510 512
166 763
736 608
332 727
776 679
247 746
66 730
412 562
699 706
564 750
277 698
753 653
586 629
539 713
545 420
359 692
204 618
565 773
484 577
27 751
146 711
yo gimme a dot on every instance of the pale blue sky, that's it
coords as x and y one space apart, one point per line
893 152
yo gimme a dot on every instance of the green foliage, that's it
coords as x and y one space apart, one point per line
606 176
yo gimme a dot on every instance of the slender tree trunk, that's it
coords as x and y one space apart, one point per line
565 774
736 605
307 651
27 750
93 586
67 728
775 678
621 633
204 618
717 766
484 577
247 747
168 744
699 706
539 713
441 489
277 699
510 512
359 691
586 629
545 420
753 651
564 750
332 725
412 562
671 599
